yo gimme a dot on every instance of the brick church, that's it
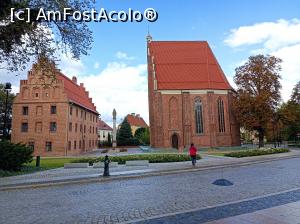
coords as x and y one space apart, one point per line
189 96
55 117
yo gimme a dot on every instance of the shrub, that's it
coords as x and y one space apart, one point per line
256 152
13 156
153 158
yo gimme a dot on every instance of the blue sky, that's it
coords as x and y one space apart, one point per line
115 70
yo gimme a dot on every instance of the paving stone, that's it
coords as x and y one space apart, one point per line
130 200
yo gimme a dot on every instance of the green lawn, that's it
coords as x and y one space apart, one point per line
52 163
46 164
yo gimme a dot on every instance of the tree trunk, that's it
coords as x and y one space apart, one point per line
261 135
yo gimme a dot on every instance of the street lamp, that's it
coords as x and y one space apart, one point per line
7 88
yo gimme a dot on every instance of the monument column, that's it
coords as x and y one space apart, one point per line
114 143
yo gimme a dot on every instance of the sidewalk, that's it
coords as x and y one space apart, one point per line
82 175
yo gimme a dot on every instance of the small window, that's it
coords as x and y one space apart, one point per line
84 115
53 126
81 128
24 127
71 110
81 114
75 145
79 144
25 111
84 129
69 145
76 127
48 146
70 126
76 112
53 109
36 95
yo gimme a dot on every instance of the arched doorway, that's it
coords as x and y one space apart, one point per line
174 140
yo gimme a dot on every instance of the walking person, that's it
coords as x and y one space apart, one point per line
193 154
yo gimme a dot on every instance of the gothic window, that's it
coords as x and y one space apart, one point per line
221 116
198 116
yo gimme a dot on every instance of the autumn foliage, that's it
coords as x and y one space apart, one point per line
258 93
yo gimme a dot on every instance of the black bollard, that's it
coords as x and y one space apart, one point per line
38 161
106 166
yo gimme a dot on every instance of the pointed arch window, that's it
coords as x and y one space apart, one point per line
198 116
221 118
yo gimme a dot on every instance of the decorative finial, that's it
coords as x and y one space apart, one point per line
148 37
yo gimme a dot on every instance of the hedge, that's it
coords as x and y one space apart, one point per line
256 152
153 158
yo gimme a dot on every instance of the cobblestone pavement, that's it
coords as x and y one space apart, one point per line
68 174
136 199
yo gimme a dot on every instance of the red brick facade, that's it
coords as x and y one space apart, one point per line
57 119
179 76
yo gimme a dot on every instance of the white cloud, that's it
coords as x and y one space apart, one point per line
70 66
124 56
272 35
280 38
121 87
96 65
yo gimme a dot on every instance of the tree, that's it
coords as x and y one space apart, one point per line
295 97
143 136
109 143
124 134
21 41
10 99
258 93
290 114
13 156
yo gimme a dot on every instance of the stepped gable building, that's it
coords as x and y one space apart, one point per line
189 96
56 118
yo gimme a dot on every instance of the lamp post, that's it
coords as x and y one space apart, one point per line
7 88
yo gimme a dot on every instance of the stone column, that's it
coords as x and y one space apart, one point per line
114 143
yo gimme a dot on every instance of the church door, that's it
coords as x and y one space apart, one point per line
175 141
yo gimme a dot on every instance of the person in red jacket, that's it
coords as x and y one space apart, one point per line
193 154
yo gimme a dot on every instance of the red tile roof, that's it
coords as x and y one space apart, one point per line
186 65
101 125
77 93
136 120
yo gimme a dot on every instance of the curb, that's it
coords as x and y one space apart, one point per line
100 179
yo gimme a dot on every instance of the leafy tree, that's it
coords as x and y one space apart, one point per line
10 99
21 41
295 98
143 136
13 156
258 93
290 114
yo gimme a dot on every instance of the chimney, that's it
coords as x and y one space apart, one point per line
74 79
138 115
133 114
81 85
